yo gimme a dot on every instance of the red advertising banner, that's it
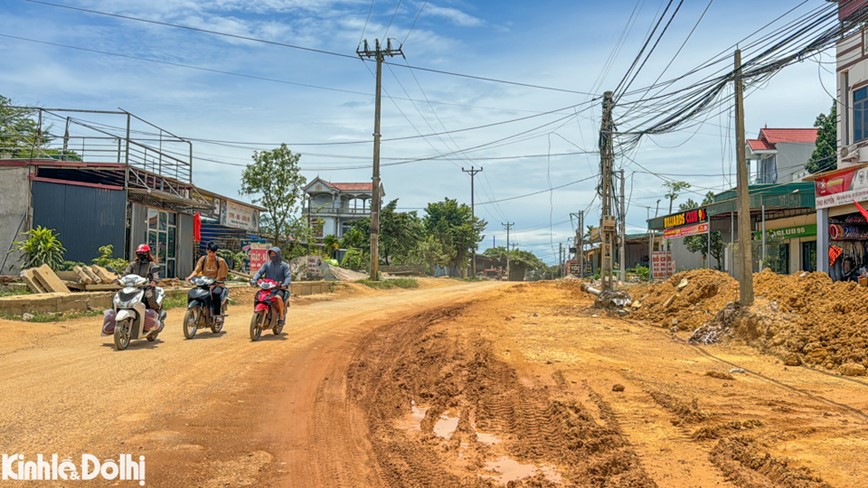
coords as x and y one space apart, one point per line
258 256
662 265
842 187
690 230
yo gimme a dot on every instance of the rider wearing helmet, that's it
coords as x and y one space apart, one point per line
276 270
214 267
145 265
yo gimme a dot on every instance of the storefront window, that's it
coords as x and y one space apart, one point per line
860 114
848 247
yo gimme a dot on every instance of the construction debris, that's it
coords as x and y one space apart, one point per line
82 278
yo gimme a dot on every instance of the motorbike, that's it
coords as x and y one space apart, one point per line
265 315
129 318
199 314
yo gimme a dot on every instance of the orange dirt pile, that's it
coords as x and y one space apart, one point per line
805 318
706 293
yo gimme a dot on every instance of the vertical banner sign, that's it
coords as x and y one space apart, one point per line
662 266
258 256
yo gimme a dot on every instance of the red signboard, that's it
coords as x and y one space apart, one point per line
686 231
841 187
258 256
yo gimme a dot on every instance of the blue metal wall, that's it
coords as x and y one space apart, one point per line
86 218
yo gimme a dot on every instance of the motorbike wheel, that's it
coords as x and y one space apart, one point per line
256 326
191 323
151 337
277 329
122 334
217 327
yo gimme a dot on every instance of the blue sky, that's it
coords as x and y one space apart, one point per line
562 44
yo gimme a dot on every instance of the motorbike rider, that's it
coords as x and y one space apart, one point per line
213 266
145 265
276 270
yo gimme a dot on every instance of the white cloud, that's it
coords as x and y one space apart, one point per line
454 15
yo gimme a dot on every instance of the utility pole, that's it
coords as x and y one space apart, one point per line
745 295
579 242
507 225
379 54
607 220
472 172
561 259
622 251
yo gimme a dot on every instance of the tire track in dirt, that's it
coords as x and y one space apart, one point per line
418 362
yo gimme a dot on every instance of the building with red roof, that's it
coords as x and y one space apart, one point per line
333 207
780 155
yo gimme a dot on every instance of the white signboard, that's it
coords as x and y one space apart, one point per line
239 216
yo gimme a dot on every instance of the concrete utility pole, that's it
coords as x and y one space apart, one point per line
745 295
561 259
580 242
507 225
472 172
607 220
379 54
622 250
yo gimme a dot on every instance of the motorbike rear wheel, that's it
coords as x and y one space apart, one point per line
277 329
216 326
256 325
122 334
191 322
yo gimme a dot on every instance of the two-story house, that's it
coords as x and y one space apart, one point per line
333 207
842 228
780 155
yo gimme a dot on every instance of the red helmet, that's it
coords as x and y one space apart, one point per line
143 248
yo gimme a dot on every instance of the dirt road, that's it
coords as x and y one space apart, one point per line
453 384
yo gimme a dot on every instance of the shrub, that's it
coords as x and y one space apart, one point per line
388 284
106 259
41 246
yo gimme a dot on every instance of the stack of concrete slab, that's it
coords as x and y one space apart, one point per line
43 280
82 278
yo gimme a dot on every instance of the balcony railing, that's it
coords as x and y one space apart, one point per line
339 212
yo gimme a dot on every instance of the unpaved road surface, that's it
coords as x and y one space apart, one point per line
453 384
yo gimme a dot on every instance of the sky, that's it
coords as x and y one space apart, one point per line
541 127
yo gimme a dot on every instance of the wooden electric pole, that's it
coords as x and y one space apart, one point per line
472 172
745 295
607 220
379 54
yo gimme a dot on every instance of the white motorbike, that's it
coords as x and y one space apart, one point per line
129 318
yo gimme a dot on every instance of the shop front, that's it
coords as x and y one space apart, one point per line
842 239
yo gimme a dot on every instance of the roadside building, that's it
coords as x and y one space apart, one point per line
785 211
107 178
842 230
780 155
333 207
231 223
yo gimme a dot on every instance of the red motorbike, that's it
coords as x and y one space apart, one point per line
265 315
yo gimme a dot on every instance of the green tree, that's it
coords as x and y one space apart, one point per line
457 230
19 133
674 189
400 233
699 243
825 156
275 179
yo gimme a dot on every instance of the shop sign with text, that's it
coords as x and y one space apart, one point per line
686 231
688 217
841 187
787 233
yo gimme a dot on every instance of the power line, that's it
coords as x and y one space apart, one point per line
425 3
302 48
